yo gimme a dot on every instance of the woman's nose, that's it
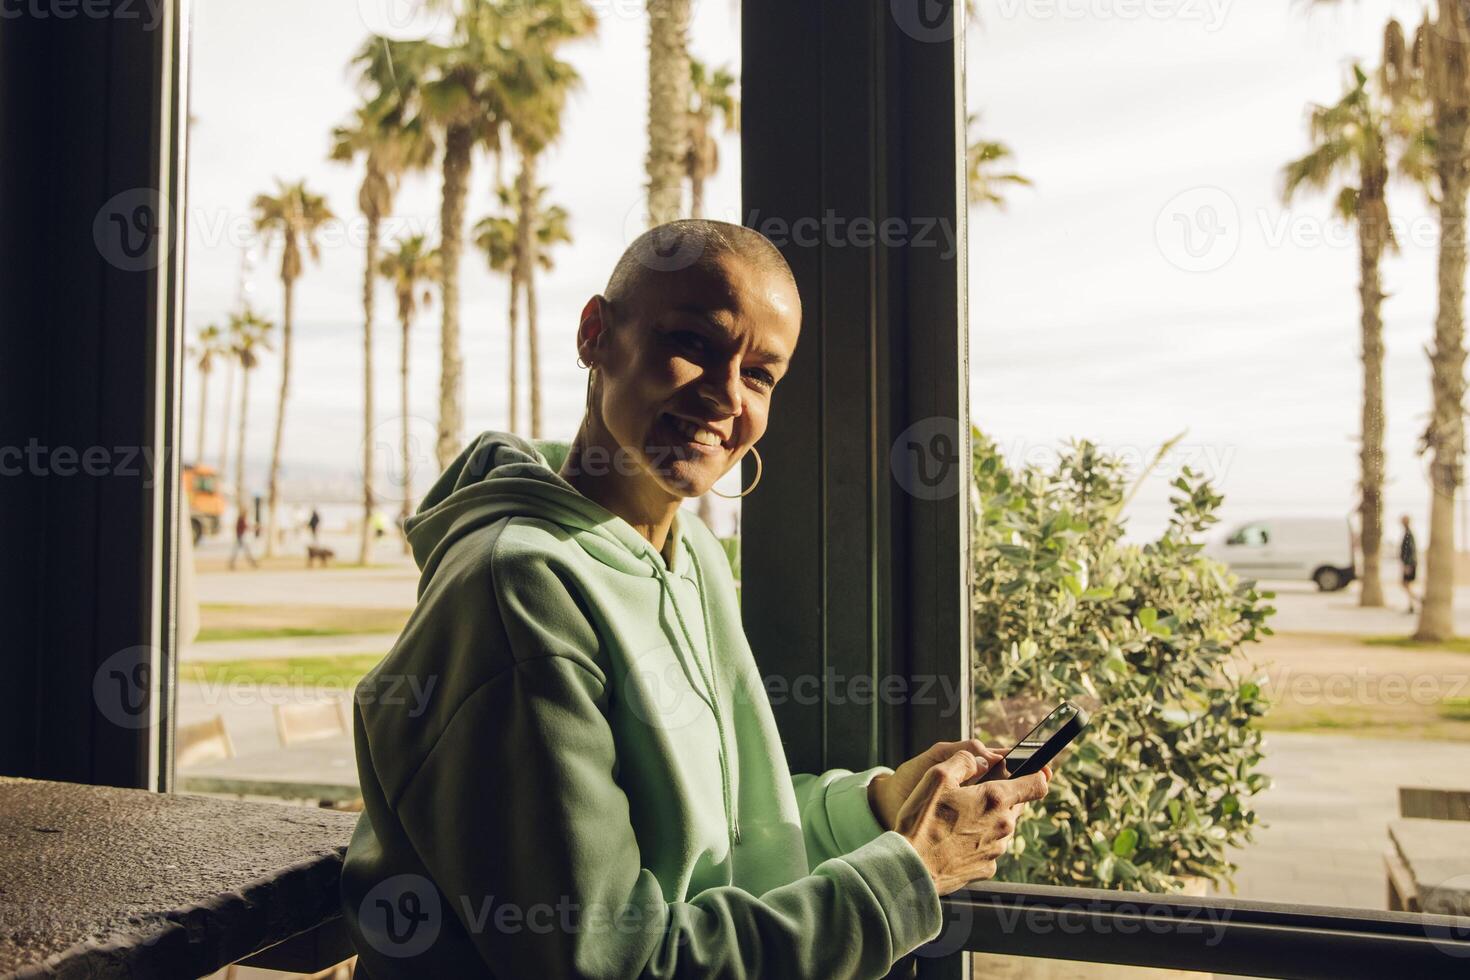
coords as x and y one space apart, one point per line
721 389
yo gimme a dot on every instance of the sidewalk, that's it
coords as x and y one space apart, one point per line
1300 608
1327 814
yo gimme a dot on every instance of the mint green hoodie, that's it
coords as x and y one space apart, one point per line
569 766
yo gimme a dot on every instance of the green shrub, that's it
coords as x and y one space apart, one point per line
1146 637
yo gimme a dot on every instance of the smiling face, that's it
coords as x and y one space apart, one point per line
685 374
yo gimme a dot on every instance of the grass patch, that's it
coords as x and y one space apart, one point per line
1458 644
1455 709
213 635
226 622
334 671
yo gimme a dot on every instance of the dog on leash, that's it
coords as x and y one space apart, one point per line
316 553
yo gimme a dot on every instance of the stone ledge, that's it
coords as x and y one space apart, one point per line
102 882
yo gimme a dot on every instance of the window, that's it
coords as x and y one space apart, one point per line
303 576
1252 536
1172 242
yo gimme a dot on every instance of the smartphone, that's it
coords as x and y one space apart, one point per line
1042 743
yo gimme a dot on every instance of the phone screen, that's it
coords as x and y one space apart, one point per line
1021 754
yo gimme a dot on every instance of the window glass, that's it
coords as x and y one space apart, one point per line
1205 268
300 160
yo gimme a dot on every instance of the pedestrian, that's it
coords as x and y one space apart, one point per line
314 524
1409 561
242 541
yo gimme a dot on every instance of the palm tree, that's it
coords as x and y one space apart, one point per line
668 107
409 267
1439 70
296 214
712 93
224 432
1351 143
249 333
537 85
496 236
1444 63
388 149
211 345
455 92
983 157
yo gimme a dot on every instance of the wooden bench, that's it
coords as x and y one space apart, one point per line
1428 858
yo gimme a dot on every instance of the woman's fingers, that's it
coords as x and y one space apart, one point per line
960 767
1026 789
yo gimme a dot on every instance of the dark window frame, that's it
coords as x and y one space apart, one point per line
90 357
858 110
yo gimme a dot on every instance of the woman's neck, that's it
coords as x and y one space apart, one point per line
599 473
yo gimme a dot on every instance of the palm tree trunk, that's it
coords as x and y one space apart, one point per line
365 539
407 488
273 485
533 346
458 144
203 414
525 265
515 346
668 107
1372 226
224 434
240 501
699 133
1446 434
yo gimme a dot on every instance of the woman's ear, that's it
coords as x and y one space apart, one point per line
591 329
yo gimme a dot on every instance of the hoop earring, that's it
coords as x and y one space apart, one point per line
591 377
582 362
753 483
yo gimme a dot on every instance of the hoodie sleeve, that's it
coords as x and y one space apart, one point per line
835 815
517 815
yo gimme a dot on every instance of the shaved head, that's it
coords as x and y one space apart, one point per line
674 248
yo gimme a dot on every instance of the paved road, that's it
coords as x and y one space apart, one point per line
1327 814
391 583
1300 608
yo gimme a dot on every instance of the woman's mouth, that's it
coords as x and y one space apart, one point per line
701 438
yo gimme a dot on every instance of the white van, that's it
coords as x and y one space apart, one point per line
1317 549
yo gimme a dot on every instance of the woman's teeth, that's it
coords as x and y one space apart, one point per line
695 433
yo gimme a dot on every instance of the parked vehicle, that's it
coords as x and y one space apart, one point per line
1318 549
200 488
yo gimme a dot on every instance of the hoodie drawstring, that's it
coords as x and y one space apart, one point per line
732 821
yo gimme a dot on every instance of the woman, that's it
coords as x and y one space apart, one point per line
588 780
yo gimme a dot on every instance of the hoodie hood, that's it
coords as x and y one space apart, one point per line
500 475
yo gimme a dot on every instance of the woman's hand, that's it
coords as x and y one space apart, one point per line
960 831
887 794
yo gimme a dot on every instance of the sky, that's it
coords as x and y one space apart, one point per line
1149 283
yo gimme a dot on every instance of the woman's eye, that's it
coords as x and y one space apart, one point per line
761 377
688 340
